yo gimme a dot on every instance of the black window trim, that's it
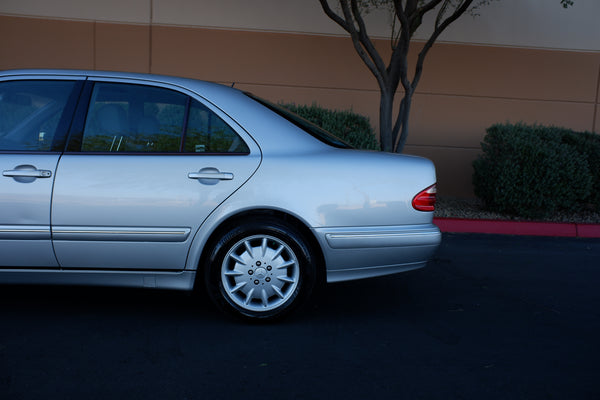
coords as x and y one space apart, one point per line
305 125
75 136
64 125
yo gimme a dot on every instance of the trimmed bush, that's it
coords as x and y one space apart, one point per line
353 128
588 144
533 171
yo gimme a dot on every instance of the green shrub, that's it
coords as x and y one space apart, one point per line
588 144
535 171
353 128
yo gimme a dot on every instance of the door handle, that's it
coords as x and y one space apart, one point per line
27 173
222 176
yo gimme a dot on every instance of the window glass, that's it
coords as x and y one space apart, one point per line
207 133
134 118
307 126
30 112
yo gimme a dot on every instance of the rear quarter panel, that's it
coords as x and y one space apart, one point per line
337 187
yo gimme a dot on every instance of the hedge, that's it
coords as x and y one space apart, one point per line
534 171
353 128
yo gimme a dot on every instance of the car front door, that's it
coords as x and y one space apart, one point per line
150 164
34 117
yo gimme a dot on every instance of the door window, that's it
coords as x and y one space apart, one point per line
137 118
206 132
134 118
31 113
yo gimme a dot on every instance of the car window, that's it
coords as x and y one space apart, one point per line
207 132
137 118
134 118
307 126
30 113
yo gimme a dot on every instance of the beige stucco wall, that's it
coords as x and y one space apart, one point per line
287 52
520 23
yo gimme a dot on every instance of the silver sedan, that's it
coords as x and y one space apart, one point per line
123 179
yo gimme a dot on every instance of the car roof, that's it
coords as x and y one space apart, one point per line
188 83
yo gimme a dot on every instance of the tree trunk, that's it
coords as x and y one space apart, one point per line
409 13
403 121
386 104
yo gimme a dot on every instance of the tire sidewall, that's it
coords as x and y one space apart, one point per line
247 228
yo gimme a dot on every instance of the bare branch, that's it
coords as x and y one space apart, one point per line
371 59
410 7
407 16
336 18
398 66
373 64
441 13
364 37
436 33
428 6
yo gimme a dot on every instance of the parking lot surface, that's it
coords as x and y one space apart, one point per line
491 317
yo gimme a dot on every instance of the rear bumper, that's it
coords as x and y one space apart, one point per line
365 252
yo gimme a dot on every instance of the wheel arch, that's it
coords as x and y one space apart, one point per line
235 219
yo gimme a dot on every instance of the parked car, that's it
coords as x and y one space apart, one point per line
135 180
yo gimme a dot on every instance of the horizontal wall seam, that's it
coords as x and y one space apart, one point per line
88 20
373 37
290 32
441 147
532 99
374 91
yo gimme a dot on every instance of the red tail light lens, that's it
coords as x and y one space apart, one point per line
425 200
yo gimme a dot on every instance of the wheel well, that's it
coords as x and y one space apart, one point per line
312 242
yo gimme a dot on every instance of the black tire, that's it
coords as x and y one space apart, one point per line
260 269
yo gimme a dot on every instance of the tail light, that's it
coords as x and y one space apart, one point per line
425 199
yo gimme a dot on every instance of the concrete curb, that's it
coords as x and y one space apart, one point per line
458 225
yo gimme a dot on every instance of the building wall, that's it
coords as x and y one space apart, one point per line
480 73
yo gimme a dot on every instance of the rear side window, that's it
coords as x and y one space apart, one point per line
307 126
206 132
125 118
31 113
134 118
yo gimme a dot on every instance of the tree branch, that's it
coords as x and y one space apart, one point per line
364 37
362 44
336 18
409 15
428 6
436 33
398 67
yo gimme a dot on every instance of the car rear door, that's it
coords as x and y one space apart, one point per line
35 112
130 193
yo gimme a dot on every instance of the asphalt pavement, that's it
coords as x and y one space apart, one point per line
491 317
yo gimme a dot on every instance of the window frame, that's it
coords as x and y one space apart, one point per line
75 136
305 125
64 124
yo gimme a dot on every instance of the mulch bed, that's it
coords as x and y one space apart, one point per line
448 207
